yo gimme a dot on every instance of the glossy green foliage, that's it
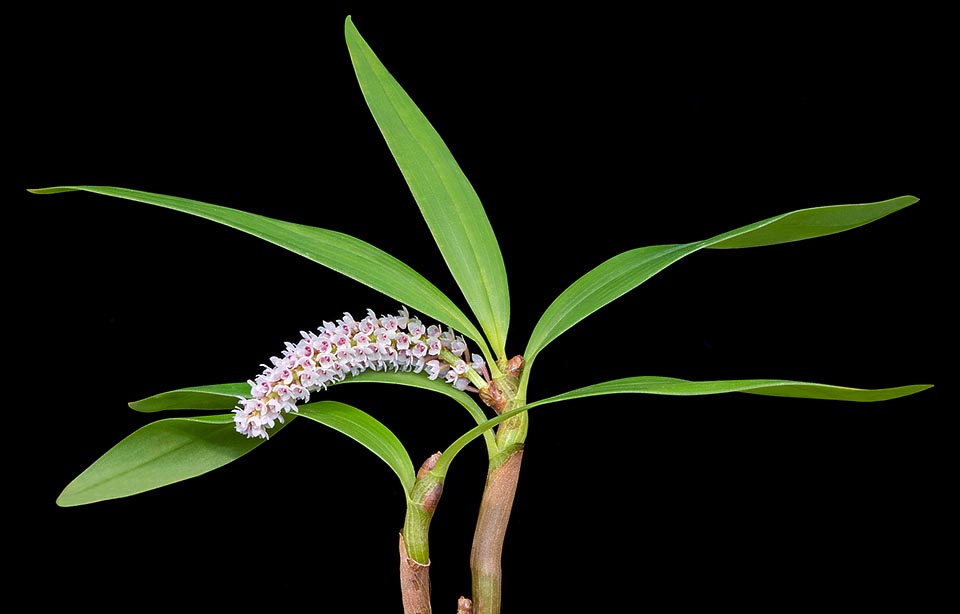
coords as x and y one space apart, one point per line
447 201
218 396
159 454
678 387
343 253
368 432
769 387
624 272
175 449
416 380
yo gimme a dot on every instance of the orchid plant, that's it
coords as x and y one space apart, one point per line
425 341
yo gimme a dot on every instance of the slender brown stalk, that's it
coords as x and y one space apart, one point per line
500 489
485 557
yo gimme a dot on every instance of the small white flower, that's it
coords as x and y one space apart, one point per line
416 329
432 368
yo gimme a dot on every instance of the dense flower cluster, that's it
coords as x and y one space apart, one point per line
345 348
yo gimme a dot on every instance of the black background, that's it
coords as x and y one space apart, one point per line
585 132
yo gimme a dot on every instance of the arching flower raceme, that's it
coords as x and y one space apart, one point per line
344 349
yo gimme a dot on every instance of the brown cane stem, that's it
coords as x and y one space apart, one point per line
491 528
414 583
500 489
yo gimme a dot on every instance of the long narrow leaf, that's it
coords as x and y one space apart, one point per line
217 396
225 396
447 200
769 387
678 387
342 253
436 385
348 420
624 272
368 432
159 454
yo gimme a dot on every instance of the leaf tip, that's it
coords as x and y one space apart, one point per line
54 190
66 498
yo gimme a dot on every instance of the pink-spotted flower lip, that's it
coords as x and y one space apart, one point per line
346 348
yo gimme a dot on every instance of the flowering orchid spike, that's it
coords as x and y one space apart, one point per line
349 347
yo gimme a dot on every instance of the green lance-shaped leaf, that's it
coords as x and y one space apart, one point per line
350 421
769 387
368 432
225 396
342 253
678 387
418 380
447 200
159 454
624 272
216 396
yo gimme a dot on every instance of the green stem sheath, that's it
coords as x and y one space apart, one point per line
421 504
